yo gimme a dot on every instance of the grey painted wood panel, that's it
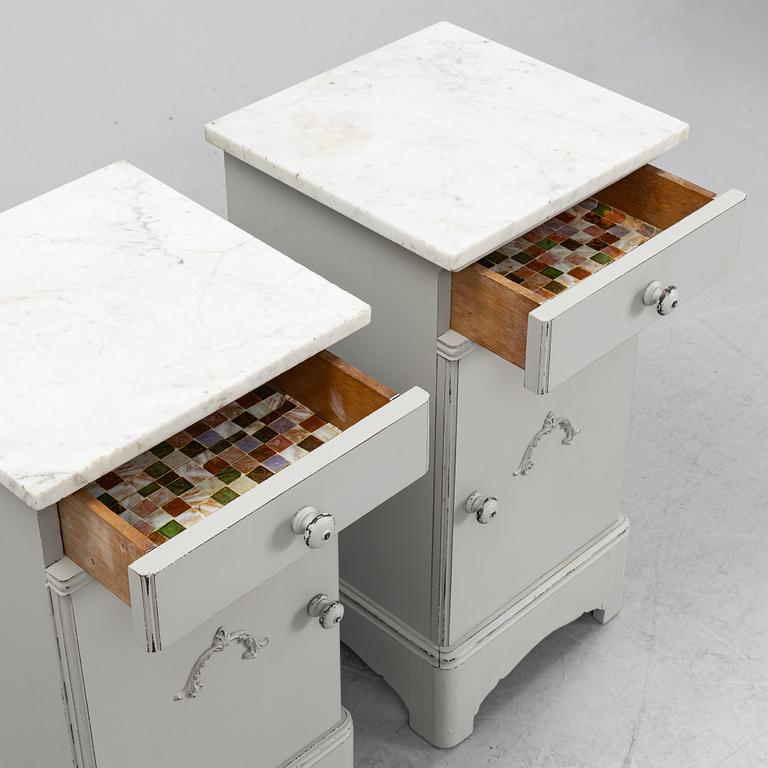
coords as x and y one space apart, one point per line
408 298
249 712
571 495
33 729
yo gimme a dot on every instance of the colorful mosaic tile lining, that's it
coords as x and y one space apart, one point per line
569 247
190 475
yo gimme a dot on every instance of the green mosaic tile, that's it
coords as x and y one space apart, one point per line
228 475
209 471
179 486
147 489
554 287
158 469
171 529
225 495
110 501
590 233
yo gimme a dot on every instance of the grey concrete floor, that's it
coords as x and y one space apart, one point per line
680 677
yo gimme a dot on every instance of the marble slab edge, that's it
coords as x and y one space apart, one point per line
248 134
456 260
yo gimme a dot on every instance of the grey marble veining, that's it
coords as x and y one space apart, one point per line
128 312
445 142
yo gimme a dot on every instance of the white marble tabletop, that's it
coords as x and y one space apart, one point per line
128 312
445 142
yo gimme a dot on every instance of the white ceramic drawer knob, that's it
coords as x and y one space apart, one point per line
328 612
316 527
483 507
664 299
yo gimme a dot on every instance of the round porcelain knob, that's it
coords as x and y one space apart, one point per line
328 612
316 527
664 299
483 507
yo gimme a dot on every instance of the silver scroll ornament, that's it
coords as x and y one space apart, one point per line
221 640
551 422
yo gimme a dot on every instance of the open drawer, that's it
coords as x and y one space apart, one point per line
600 257
199 520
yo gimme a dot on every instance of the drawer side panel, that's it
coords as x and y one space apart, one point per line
100 542
482 311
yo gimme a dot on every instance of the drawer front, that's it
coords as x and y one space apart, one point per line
180 584
573 329
568 497
257 711
554 337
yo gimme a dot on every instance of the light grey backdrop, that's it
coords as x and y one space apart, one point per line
88 82
680 678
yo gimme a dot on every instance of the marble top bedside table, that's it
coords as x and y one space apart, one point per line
500 217
177 453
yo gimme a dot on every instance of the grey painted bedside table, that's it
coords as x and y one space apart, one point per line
177 452
500 217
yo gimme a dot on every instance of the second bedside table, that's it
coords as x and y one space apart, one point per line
499 216
178 451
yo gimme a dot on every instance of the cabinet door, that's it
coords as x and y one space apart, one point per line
248 712
567 498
